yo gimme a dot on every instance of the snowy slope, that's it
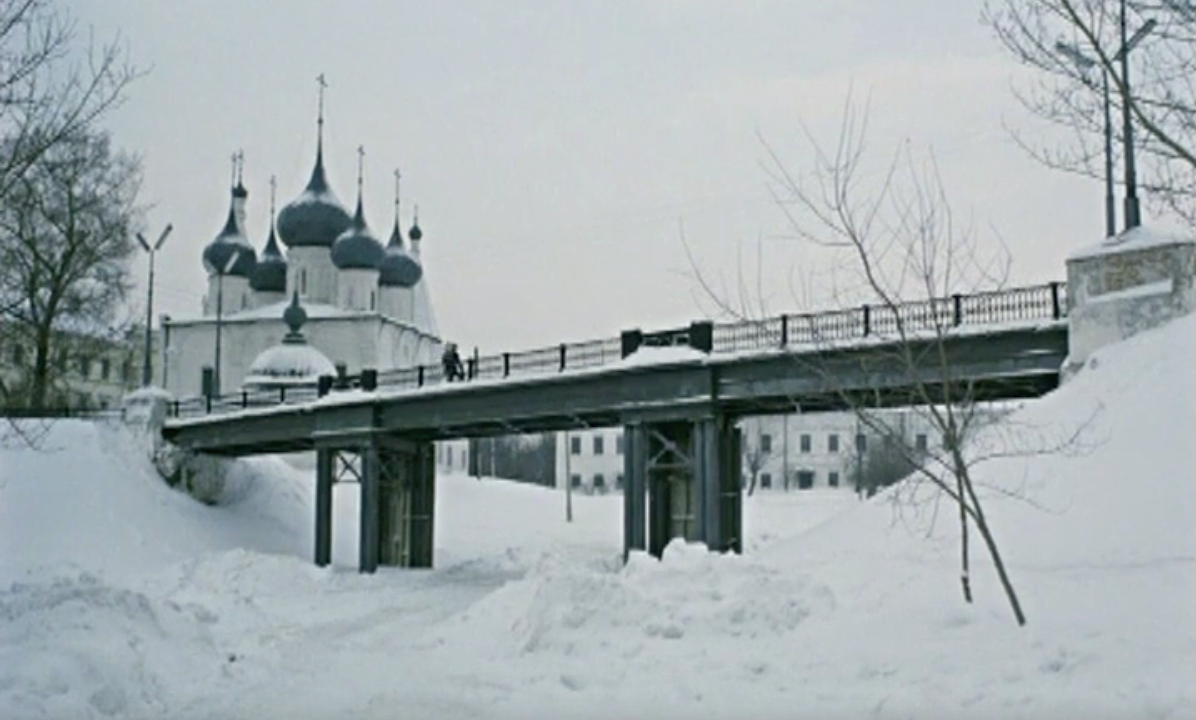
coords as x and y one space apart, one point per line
119 597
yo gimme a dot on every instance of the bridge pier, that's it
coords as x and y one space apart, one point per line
682 479
397 503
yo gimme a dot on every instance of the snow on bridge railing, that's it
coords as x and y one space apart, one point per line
997 307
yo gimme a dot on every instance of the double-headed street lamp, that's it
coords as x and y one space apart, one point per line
146 371
1133 215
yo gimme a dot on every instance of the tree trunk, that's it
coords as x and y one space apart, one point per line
991 543
41 368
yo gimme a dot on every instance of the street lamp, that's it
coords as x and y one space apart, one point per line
1133 217
1084 64
146 372
221 272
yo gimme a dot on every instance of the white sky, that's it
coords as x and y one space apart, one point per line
554 148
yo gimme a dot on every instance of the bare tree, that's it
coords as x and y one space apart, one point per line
1075 45
753 462
894 240
65 239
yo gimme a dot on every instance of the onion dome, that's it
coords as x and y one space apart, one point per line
292 362
316 218
415 233
357 248
230 240
399 268
270 273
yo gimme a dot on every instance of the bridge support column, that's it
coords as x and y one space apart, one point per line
690 471
324 480
397 504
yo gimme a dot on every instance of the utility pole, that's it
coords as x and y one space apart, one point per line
228 266
146 370
568 480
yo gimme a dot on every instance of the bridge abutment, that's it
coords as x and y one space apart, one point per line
682 479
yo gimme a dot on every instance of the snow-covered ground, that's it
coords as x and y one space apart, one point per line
120 597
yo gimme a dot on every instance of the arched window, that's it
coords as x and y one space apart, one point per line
302 281
373 300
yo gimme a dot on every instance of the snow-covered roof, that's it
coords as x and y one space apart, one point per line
1139 238
289 364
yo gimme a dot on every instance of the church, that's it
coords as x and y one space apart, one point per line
366 305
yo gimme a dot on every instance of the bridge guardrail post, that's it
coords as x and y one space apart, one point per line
282 395
208 404
957 309
506 364
1055 308
784 331
867 320
701 335
419 376
563 347
244 398
630 341
323 385
369 379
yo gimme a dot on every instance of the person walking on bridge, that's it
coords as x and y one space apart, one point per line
451 362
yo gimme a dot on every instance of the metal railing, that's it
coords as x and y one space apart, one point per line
1035 303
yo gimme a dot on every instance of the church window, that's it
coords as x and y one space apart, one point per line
302 281
373 300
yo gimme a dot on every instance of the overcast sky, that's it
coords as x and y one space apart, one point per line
555 148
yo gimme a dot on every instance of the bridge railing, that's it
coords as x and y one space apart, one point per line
1045 302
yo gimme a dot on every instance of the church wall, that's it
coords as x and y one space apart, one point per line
311 272
357 290
262 299
237 295
397 302
363 341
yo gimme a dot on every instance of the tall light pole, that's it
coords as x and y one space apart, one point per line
228 266
1133 217
1084 64
146 369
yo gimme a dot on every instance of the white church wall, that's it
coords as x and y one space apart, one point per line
263 299
311 272
237 295
357 290
397 302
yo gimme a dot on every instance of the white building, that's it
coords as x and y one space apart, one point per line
367 306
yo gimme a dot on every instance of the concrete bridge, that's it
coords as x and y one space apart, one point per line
682 449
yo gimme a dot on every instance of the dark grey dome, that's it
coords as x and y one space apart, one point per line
230 240
415 233
357 248
270 273
316 218
398 268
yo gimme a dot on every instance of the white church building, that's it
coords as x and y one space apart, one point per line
367 305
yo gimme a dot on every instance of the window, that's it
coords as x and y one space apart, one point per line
766 443
105 368
599 481
920 442
618 444
619 481
303 281
85 366
597 444
805 443
448 451
575 480
832 478
373 300
575 445
861 443
805 479
832 443
18 355
765 480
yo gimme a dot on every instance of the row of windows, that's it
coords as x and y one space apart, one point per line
599 445
805 479
598 482
83 365
805 443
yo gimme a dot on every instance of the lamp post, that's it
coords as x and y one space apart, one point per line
221 272
1084 64
1133 217
146 371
